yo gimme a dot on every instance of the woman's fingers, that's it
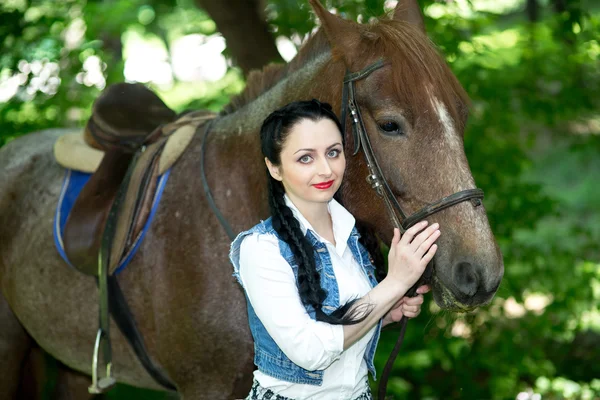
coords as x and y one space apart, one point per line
409 314
411 232
410 311
422 247
421 237
406 264
423 289
396 237
398 303
412 305
429 255
414 301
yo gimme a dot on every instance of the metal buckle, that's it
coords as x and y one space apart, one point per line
353 113
376 184
476 202
373 181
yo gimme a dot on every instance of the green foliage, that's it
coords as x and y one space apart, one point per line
532 141
542 204
33 55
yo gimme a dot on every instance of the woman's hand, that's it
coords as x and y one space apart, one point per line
410 254
406 306
407 260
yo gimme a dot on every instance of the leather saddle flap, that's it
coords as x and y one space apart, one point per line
130 177
85 224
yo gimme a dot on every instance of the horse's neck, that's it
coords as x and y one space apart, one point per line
298 85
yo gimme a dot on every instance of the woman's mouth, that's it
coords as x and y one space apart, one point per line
324 185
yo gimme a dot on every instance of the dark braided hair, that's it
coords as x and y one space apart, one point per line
273 134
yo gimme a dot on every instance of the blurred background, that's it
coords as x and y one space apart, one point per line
532 70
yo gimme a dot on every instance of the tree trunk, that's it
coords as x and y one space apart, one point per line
113 48
533 10
242 24
559 6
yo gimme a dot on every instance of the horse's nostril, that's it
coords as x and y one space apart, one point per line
466 278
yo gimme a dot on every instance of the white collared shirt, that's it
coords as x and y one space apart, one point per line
271 288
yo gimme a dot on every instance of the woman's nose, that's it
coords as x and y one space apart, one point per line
324 168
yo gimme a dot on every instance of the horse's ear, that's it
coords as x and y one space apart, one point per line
343 35
409 11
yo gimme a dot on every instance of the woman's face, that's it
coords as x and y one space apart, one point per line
312 162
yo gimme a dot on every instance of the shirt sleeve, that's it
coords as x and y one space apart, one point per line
271 288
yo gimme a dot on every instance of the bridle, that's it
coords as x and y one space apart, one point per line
375 177
378 182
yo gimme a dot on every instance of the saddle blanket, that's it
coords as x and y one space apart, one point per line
73 183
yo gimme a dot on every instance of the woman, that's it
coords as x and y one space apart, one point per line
314 306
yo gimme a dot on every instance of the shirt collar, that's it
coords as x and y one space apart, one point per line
343 223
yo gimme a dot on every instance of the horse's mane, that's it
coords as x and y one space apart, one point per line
413 57
417 67
260 81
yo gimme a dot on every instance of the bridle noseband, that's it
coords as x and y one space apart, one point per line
376 178
378 182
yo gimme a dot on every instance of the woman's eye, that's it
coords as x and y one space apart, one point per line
333 153
391 128
305 159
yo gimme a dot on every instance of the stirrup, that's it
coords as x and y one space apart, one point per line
106 383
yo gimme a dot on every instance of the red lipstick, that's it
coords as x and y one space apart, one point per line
324 185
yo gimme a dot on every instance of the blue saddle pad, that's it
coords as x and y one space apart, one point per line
73 183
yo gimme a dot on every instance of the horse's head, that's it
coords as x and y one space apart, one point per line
414 112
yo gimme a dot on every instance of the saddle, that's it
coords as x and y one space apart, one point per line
132 135
131 138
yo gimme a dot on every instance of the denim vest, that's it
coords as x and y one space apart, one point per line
268 357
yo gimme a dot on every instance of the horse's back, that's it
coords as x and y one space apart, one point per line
29 181
21 156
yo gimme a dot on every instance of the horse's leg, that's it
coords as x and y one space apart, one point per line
15 344
41 376
72 385
34 375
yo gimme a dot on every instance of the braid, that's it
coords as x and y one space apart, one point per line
309 280
288 228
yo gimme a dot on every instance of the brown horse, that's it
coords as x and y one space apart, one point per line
179 286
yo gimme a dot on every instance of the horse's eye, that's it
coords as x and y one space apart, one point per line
391 128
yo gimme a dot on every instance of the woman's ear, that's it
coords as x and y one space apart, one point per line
273 170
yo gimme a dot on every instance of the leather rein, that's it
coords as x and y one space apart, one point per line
378 182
